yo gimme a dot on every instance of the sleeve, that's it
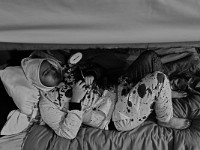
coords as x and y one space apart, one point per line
64 124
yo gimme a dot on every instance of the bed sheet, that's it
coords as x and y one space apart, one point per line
146 136
105 21
12 142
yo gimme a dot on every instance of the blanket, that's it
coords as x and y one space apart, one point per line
105 21
147 136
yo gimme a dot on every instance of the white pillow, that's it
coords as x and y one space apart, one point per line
23 93
25 96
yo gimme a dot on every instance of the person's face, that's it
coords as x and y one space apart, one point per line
49 75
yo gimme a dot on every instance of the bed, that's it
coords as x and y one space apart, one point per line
183 64
112 33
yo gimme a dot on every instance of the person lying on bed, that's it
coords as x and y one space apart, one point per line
66 107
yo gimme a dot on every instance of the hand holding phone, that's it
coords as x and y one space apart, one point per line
78 92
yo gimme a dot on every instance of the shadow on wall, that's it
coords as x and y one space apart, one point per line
4 57
13 58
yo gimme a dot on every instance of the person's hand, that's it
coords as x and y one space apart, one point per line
78 92
89 80
179 94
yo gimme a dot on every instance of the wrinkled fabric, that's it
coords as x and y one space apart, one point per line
24 95
134 108
148 135
12 142
54 109
146 63
31 68
105 21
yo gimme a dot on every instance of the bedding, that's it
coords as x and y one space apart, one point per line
19 88
148 135
96 22
25 97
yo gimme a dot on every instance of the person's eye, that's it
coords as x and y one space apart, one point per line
46 71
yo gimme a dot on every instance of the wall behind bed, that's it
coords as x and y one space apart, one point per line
13 52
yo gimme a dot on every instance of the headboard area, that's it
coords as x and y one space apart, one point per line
13 52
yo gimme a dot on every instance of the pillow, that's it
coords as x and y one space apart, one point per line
184 67
23 93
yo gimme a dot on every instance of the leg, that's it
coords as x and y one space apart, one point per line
147 62
132 109
163 106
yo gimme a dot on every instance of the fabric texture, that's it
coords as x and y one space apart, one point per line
142 85
31 68
186 66
24 95
54 109
147 62
136 106
105 21
12 142
146 136
23 85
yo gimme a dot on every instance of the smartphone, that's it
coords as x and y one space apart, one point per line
78 75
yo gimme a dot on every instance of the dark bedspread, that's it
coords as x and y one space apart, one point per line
148 136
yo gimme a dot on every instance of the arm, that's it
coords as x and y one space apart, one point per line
64 124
